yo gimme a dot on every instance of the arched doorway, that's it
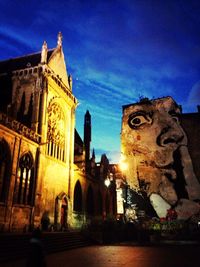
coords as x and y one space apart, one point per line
63 217
61 212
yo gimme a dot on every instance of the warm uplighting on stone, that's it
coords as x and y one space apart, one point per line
155 147
123 164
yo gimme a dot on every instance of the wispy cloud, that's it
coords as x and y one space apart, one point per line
12 34
116 51
194 95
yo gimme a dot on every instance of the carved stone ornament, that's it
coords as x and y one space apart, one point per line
56 124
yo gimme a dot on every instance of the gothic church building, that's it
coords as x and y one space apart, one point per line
39 179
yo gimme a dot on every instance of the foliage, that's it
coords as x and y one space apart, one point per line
144 100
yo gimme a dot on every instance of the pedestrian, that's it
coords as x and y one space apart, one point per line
36 255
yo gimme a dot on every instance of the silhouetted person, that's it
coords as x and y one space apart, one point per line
36 256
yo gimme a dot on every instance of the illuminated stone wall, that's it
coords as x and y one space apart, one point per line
39 182
159 165
56 154
14 215
41 127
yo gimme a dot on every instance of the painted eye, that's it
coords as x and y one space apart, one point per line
136 121
175 116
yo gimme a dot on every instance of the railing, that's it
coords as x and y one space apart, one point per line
19 128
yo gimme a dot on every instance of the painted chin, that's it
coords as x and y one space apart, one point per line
175 175
164 159
171 165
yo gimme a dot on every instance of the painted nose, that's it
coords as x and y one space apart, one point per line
171 136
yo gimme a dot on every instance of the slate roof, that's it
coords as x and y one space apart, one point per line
78 139
23 62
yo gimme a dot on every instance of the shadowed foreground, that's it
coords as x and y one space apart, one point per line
119 256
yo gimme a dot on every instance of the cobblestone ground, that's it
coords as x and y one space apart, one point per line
123 256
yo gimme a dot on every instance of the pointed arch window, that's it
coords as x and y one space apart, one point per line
20 113
4 169
24 188
78 197
25 111
56 132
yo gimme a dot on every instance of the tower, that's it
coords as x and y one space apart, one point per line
87 137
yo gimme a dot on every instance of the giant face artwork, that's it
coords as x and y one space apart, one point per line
154 146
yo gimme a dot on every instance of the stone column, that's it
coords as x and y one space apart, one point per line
42 115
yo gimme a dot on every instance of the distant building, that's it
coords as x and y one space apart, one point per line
191 124
47 178
98 200
160 146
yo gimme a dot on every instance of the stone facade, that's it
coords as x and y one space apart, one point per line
40 183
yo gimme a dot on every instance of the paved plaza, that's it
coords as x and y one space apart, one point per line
122 256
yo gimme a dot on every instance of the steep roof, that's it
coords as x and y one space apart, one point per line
78 139
23 62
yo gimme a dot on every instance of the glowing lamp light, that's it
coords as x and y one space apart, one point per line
24 174
107 182
123 166
19 172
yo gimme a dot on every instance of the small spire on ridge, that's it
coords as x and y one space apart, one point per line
59 41
44 53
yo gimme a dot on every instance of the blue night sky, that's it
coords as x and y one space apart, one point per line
116 51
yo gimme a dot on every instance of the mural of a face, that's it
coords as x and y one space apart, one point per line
154 146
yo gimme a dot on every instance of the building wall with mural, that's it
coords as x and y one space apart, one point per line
162 171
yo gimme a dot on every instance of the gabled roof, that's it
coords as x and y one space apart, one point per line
23 62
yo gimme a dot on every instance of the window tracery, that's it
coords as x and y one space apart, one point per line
25 182
56 132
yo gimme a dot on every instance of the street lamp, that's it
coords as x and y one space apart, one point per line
123 166
107 181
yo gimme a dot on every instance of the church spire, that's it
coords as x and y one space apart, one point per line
87 136
59 41
93 154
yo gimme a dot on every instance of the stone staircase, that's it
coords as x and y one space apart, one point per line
16 246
